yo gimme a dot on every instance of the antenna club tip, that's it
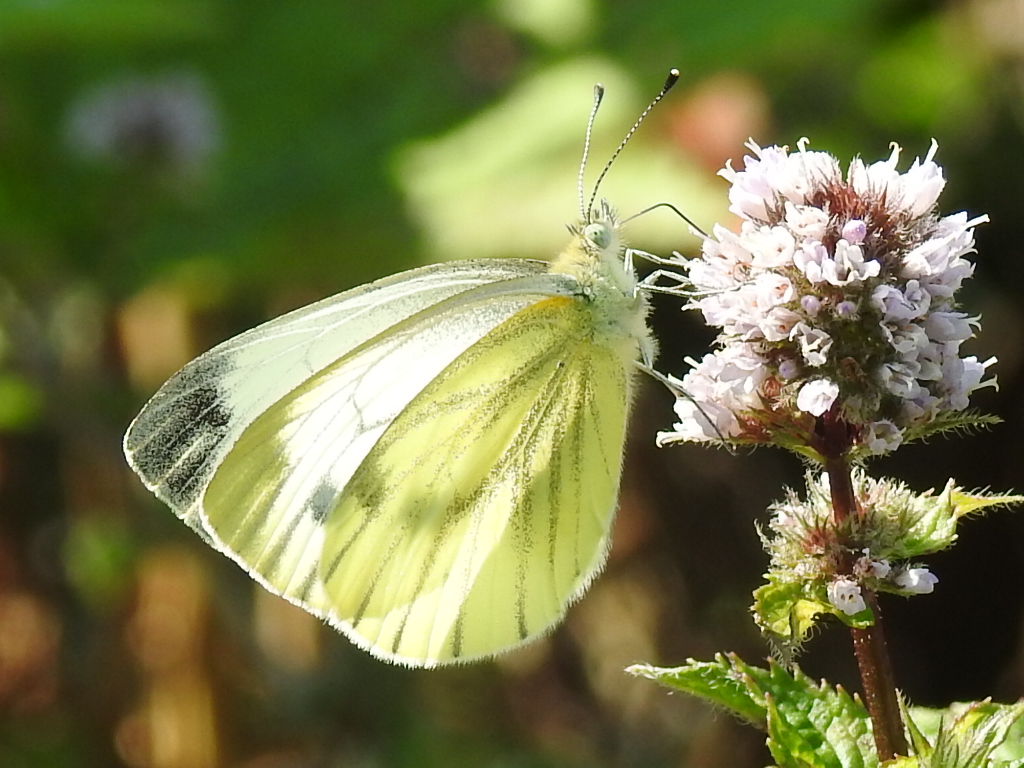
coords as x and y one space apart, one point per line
672 79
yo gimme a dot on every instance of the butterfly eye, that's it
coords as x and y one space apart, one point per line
598 234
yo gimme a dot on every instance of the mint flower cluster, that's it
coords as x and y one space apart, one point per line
876 549
836 293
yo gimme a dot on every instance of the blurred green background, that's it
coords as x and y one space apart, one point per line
173 172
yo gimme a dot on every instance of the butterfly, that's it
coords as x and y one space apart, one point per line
430 462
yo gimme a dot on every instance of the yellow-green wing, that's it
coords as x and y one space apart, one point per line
478 515
180 438
266 493
485 509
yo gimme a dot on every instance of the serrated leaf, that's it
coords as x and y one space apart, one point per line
790 745
964 422
969 503
818 725
934 528
919 742
934 524
974 735
809 724
725 682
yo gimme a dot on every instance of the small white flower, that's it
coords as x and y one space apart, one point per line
809 259
700 422
908 304
883 437
877 178
754 188
948 326
900 379
720 386
812 170
774 176
845 595
961 377
916 581
772 247
814 343
921 408
848 265
879 568
806 222
817 396
938 261
779 323
908 340
773 288
923 183
928 362
865 567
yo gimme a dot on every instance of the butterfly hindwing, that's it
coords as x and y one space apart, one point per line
475 494
467 527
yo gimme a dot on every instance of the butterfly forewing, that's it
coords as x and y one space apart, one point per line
180 437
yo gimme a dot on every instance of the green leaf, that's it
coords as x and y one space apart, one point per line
931 523
933 519
808 724
725 682
786 610
973 735
821 726
968 503
919 742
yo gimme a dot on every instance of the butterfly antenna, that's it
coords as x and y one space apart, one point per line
598 95
672 208
672 79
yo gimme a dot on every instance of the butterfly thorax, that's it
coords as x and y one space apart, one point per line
596 258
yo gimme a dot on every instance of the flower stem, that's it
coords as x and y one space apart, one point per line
877 681
879 686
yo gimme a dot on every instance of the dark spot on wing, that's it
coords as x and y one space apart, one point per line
322 501
205 408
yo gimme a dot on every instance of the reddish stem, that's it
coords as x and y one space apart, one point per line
869 645
879 686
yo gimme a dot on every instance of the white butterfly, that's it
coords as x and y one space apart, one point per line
429 462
